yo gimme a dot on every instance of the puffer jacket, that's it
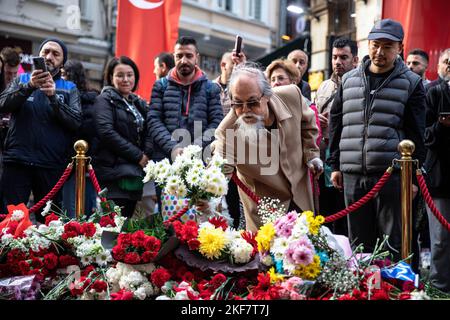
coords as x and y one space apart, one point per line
368 130
178 106
42 129
119 145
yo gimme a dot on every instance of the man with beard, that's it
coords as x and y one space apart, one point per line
417 61
377 105
45 115
437 141
344 58
185 99
270 142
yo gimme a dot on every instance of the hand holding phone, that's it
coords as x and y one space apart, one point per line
39 64
238 45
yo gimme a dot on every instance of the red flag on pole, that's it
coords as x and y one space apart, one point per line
145 29
424 25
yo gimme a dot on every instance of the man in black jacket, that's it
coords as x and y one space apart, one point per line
45 114
437 141
378 105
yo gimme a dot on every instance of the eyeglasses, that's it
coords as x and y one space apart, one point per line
253 104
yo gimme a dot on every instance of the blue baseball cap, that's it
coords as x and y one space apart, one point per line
387 29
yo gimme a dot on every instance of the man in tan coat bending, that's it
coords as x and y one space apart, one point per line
269 137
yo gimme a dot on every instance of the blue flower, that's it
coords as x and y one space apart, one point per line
323 257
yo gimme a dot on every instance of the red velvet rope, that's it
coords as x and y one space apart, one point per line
95 183
176 216
357 205
430 203
244 188
55 189
333 217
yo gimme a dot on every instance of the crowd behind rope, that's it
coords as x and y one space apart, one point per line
332 146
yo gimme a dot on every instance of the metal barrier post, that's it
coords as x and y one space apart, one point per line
81 148
406 148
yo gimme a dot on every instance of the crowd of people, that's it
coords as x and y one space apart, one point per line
319 152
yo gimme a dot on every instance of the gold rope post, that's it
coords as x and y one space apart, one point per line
406 148
81 147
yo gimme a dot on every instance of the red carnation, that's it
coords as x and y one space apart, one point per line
119 253
124 240
107 221
219 222
24 267
404 296
88 229
379 295
149 256
67 260
160 276
138 238
242 284
217 280
408 286
193 244
122 295
50 218
36 263
50 261
87 271
151 244
99 286
132 258
71 230
188 276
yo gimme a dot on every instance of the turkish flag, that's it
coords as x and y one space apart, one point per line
144 30
424 24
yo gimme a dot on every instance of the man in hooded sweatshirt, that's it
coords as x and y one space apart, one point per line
184 99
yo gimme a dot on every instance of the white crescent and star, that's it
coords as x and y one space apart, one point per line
145 5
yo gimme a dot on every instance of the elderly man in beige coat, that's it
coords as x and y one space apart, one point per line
270 138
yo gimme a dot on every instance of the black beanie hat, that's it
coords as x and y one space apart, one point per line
61 44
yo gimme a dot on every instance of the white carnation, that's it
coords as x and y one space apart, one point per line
17 215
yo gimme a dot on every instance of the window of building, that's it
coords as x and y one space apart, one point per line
255 9
226 5
84 9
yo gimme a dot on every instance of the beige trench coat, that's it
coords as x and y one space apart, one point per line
297 132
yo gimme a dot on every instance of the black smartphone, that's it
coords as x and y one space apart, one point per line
238 44
39 64
444 114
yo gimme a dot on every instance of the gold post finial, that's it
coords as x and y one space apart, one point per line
81 147
406 148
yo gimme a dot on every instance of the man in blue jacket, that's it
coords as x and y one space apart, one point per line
185 99
45 114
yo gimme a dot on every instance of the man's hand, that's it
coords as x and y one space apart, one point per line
49 88
323 119
336 179
316 167
176 152
39 78
144 160
238 59
445 121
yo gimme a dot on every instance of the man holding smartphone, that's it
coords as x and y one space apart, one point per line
437 141
45 114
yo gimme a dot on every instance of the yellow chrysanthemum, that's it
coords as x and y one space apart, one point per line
275 277
314 223
212 242
265 237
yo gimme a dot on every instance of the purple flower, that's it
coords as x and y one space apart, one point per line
300 252
284 225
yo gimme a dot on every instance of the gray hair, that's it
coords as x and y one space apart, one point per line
253 70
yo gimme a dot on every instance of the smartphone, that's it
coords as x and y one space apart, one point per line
238 45
39 64
444 114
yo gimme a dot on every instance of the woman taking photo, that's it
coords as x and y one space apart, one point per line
123 149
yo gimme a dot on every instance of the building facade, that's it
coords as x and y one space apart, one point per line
82 24
215 24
